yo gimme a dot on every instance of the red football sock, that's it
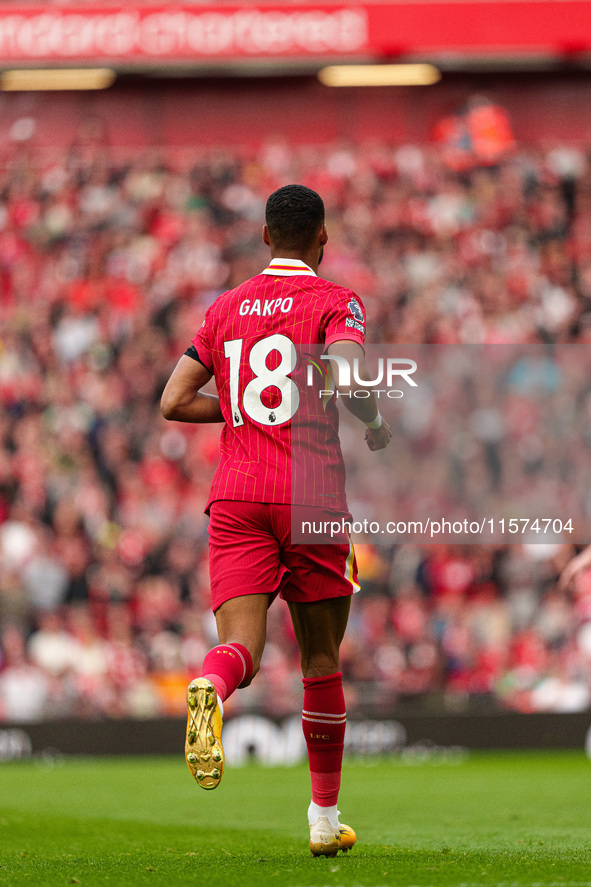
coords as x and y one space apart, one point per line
323 720
227 666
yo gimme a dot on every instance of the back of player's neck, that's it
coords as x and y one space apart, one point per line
290 254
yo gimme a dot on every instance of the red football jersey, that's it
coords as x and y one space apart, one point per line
280 441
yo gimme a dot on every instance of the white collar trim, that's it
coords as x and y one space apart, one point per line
288 268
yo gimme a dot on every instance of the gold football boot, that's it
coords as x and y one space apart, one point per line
203 747
325 840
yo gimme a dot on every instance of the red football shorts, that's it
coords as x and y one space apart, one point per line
250 552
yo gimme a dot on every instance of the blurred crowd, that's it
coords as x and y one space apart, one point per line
107 265
495 437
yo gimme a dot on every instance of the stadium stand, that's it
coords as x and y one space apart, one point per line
459 213
107 264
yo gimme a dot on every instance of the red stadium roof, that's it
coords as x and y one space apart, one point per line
195 35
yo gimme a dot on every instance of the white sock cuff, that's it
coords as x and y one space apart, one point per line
332 814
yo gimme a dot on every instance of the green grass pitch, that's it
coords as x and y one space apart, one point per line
494 819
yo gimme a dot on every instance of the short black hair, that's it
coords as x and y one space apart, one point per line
293 216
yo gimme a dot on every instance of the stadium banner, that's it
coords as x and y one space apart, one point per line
491 445
443 738
178 34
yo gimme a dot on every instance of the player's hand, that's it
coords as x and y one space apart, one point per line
378 438
579 563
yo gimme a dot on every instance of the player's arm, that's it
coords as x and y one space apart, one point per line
183 401
579 563
378 431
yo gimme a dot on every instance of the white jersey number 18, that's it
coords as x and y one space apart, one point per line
265 378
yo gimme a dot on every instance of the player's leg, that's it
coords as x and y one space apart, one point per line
245 572
319 628
242 625
323 578
242 629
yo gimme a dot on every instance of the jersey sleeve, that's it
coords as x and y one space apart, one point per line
345 319
201 343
